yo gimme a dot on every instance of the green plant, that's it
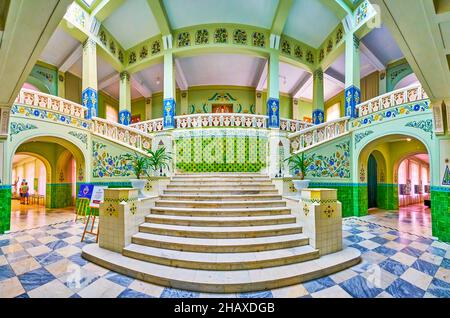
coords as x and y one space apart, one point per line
299 162
138 163
158 159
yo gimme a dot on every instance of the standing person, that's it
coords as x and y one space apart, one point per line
26 193
22 196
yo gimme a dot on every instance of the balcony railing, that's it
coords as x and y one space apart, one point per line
121 134
53 103
315 135
392 99
293 125
221 120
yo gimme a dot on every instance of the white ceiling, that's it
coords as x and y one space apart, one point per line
310 21
182 13
222 69
132 23
60 46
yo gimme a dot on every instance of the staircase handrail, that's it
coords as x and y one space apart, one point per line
395 98
121 134
310 137
58 104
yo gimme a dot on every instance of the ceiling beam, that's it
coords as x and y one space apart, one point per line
339 8
105 8
335 77
281 16
71 59
334 80
108 81
180 77
304 82
138 84
373 59
261 76
160 15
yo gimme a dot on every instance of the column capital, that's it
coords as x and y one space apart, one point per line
318 74
89 43
124 76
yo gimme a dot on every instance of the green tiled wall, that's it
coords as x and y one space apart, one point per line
352 196
197 160
5 208
387 196
440 213
59 195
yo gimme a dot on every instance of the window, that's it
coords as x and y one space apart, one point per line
334 112
112 114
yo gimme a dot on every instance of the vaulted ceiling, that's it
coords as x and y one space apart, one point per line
310 21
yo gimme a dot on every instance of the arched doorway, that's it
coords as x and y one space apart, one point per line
372 182
381 166
52 183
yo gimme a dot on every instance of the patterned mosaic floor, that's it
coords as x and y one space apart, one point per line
46 262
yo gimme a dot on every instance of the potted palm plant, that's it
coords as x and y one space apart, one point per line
300 163
140 165
158 160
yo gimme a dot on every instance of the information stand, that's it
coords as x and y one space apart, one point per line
96 197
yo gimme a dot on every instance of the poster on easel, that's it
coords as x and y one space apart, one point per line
98 196
85 191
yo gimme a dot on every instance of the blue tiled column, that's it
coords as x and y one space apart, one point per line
125 117
352 98
169 113
90 101
273 113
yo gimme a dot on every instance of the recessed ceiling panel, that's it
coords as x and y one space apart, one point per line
222 69
382 44
182 13
153 77
132 23
58 49
310 21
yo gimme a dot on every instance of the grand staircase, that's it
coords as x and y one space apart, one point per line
222 233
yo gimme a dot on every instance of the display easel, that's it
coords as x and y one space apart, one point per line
93 213
97 197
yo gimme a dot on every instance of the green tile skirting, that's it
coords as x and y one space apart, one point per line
5 208
440 213
353 196
59 195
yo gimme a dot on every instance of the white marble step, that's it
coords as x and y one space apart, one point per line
220 281
219 220
221 261
220 232
219 204
221 212
208 191
220 179
195 186
221 175
223 183
220 245
220 197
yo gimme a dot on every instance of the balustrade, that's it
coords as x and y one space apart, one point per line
52 103
392 99
314 135
126 135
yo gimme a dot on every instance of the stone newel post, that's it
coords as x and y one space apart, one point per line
321 215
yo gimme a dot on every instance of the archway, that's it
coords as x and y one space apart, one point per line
61 165
382 166
372 182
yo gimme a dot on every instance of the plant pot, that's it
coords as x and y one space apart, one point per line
139 184
301 184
